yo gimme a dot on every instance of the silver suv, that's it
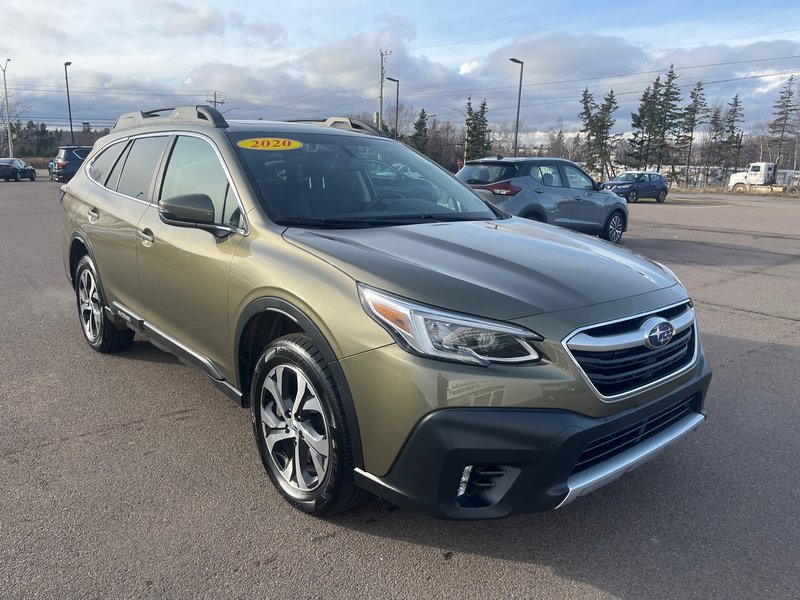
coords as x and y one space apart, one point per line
550 190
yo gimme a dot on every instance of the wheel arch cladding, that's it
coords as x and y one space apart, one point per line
266 319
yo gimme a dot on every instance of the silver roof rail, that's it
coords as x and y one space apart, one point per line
344 123
199 114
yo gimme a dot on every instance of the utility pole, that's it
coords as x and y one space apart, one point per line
8 111
384 55
215 102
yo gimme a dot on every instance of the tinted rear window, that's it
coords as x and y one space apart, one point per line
483 173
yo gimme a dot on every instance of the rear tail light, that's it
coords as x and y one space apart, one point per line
62 163
504 189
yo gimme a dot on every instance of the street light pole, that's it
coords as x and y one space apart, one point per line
396 105
519 98
8 111
69 107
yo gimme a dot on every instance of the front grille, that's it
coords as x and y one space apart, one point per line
617 371
614 443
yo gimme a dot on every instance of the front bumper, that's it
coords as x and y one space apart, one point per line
530 460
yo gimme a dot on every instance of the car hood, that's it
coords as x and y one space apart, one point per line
499 269
618 182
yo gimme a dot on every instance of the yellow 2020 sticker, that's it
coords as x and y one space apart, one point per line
269 143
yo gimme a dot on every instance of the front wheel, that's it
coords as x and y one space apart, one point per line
300 427
100 333
32 176
739 188
614 228
662 196
17 176
632 197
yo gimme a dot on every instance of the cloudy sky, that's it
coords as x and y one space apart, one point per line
281 60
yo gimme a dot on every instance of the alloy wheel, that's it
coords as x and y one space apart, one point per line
89 305
615 225
295 429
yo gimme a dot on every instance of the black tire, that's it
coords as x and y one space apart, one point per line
533 216
32 176
739 188
614 227
632 197
100 333
284 366
17 176
662 196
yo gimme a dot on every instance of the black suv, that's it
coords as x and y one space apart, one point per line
68 161
633 185
549 190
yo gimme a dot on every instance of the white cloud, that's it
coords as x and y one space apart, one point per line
468 67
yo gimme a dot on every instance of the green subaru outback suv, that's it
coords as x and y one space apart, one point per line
399 337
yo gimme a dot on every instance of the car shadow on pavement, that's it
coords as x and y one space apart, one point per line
143 350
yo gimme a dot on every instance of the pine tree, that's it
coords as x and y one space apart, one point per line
668 116
479 142
732 142
419 139
694 115
783 109
598 120
638 157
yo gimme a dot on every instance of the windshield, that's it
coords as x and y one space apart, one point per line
332 180
626 177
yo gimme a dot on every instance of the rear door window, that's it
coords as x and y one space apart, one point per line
140 167
547 175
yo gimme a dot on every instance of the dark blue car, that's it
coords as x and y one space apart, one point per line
633 185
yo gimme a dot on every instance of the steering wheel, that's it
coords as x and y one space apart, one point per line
380 200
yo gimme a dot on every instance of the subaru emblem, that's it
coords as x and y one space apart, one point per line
659 333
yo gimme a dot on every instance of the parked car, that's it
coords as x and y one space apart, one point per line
633 185
68 161
16 169
435 351
549 190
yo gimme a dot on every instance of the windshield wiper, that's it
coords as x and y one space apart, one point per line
322 222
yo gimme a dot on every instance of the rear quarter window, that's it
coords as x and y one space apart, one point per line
101 166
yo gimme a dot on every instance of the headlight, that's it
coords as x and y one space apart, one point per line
450 336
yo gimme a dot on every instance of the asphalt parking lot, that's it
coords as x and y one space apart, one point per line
130 475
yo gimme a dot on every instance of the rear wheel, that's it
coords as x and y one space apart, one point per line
632 197
300 428
614 228
100 332
533 217
662 196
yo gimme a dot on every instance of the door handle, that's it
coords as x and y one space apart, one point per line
146 236
94 215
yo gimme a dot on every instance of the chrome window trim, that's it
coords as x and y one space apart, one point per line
652 384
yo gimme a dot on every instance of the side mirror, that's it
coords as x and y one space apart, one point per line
188 210
601 185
